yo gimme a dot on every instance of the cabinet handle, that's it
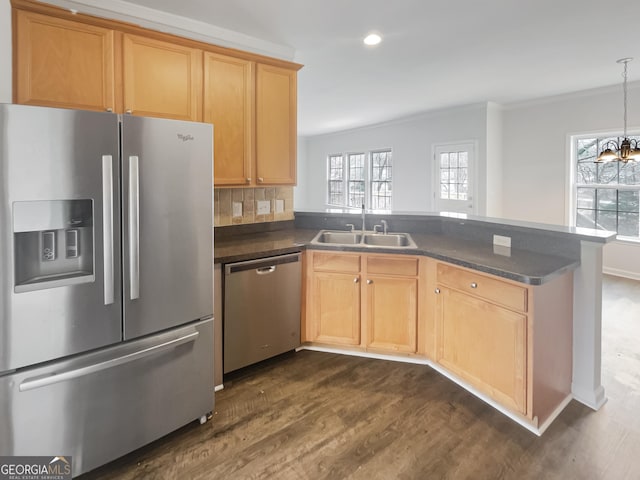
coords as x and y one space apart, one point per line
474 285
437 290
260 179
355 280
369 282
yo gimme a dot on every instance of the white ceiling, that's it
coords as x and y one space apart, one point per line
435 53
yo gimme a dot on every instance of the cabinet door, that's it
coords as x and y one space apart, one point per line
335 308
229 105
61 63
161 79
276 127
392 313
483 344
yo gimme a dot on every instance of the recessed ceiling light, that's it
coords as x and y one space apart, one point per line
372 39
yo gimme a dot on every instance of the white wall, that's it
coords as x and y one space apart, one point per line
412 141
494 160
536 185
5 51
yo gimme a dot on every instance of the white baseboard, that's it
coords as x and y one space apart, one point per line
617 272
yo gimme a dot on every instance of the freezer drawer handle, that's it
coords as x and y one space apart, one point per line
44 381
107 227
266 270
134 228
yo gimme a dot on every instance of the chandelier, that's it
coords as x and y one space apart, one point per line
627 150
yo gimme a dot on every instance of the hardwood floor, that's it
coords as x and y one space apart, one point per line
313 415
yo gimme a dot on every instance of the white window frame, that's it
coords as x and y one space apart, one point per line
368 159
572 202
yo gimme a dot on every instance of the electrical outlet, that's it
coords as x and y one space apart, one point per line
264 207
237 209
502 241
279 206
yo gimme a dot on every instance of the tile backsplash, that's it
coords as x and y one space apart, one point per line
229 202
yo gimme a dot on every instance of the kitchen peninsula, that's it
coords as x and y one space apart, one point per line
542 296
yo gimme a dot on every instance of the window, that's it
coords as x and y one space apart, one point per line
365 177
454 178
607 194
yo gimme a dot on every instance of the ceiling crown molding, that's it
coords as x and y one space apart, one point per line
175 24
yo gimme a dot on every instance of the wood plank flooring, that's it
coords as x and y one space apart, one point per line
313 415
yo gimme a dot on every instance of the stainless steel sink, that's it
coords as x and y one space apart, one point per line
337 237
389 240
368 239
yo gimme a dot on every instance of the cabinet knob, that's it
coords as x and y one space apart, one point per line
356 280
260 179
128 112
109 110
474 285
248 179
437 290
369 282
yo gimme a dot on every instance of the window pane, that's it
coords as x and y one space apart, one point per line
335 195
381 177
586 218
606 220
607 173
630 173
444 160
586 198
587 172
607 199
628 201
587 149
629 224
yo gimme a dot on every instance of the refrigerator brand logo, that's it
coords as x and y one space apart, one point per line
35 468
185 138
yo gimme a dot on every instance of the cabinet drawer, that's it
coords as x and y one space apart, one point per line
339 262
393 265
491 289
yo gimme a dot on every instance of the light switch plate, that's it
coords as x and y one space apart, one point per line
264 207
279 206
237 209
502 241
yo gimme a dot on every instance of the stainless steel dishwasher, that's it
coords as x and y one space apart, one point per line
261 309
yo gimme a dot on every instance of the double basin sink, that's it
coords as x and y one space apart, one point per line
364 239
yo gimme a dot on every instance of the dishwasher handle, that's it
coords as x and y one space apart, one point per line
266 270
261 265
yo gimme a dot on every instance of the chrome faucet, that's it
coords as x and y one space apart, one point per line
363 218
384 227
351 227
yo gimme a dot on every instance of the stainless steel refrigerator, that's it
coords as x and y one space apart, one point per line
106 271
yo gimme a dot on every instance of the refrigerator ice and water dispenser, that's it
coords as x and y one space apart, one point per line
53 243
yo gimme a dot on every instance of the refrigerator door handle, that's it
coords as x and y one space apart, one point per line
107 227
134 228
51 379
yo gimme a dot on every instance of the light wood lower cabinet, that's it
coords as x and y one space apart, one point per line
505 340
485 345
365 300
62 63
510 341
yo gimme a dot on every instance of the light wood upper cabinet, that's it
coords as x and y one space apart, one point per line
161 79
62 63
276 125
229 105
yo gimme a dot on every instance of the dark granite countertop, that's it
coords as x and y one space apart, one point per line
520 265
